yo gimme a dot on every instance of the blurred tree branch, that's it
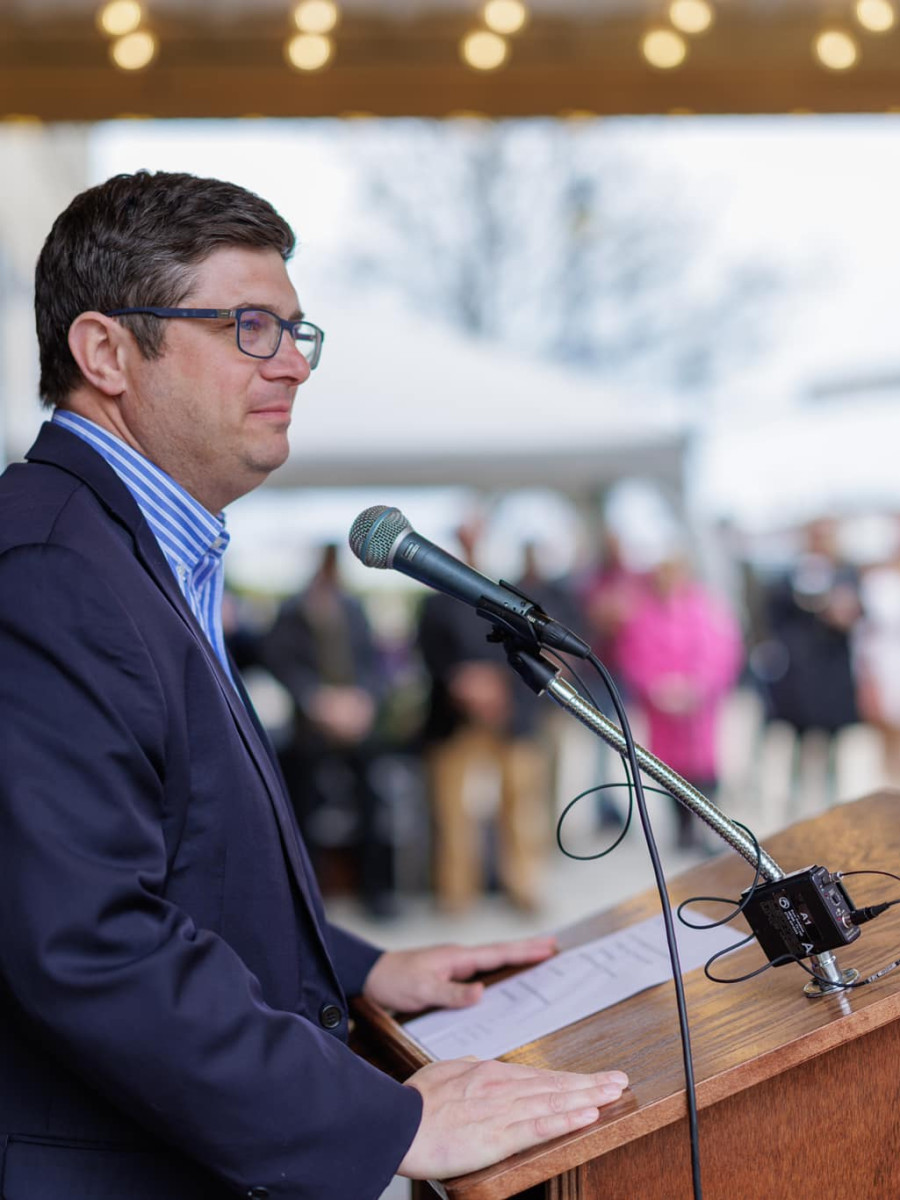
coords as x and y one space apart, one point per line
556 239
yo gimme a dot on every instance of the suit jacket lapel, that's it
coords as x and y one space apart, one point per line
64 449
255 743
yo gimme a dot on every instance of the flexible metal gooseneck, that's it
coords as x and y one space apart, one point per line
825 964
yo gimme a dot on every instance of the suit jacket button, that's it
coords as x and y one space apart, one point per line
258 1193
330 1016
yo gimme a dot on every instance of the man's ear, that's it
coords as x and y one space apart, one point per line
99 346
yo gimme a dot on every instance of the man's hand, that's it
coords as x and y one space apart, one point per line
410 980
477 1113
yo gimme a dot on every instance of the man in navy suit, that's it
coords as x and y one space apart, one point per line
173 1013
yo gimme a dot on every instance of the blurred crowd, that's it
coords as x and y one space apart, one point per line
418 761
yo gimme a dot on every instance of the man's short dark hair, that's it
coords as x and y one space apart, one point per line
136 240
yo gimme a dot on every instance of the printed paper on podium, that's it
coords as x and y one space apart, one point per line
566 988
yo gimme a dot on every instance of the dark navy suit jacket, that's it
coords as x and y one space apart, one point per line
169 987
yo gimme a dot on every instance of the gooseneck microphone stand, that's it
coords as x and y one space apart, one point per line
542 677
781 909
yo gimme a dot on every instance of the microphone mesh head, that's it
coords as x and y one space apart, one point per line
375 532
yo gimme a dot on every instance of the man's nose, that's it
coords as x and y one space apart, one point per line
288 363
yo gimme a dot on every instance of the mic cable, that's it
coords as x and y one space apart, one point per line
859 916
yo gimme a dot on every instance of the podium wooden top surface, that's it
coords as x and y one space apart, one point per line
741 1033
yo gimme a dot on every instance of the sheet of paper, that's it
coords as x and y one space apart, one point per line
566 988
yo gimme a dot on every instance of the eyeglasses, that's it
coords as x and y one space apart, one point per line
258 331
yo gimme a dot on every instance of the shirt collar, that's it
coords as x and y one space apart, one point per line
187 532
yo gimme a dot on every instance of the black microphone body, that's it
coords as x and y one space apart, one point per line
382 537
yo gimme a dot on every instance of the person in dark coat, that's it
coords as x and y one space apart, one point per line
811 614
322 650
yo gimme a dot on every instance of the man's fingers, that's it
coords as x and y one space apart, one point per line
478 1112
516 1078
512 1139
556 1103
503 954
410 980
523 950
545 1128
553 1114
501 1097
458 995
522 1135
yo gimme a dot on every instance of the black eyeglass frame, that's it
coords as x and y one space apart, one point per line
297 329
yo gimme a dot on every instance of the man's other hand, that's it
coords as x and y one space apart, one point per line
411 980
477 1113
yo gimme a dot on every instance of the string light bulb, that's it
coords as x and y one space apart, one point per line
877 16
664 49
308 51
691 16
836 50
119 17
316 16
505 16
484 50
134 51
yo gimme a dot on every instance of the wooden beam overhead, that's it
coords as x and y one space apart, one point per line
756 58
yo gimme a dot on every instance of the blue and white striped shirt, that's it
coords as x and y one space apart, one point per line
191 538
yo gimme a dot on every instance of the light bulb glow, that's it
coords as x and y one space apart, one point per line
663 48
134 51
836 50
505 16
483 50
316 16
691 16
120 17
878 16
308 51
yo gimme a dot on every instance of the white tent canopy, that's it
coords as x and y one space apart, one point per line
400 400
832 457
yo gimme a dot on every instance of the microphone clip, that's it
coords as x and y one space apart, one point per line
522 652
510 624
534 628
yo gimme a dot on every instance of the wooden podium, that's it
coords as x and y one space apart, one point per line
798 1097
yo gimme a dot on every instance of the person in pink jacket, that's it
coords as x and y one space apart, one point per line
680 653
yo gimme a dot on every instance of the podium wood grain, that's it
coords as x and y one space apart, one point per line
798 1097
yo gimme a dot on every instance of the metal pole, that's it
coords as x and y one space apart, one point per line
567 697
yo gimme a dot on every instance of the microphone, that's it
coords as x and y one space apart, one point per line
382 537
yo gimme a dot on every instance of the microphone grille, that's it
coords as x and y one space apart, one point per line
374 534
